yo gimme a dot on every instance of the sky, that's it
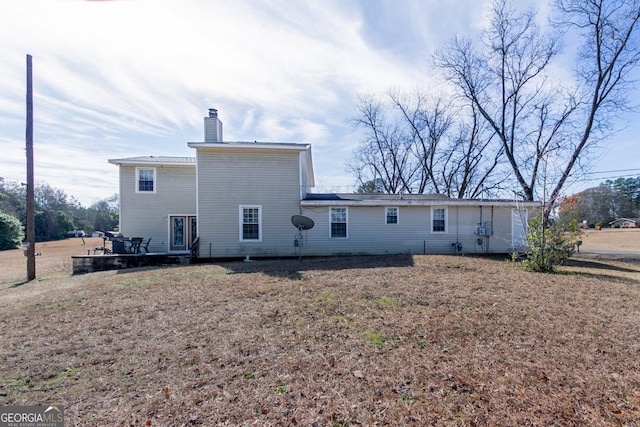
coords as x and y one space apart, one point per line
127 78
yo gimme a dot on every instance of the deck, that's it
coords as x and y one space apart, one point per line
91 263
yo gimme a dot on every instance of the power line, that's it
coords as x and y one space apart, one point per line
602 178
613 171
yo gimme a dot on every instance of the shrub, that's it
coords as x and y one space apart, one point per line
11 233
550 245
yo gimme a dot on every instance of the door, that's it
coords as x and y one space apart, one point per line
182 232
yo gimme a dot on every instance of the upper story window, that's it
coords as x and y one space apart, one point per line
439 220
391 215
250 223
145 180
338 222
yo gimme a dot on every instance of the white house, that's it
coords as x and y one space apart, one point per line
238 199
625 223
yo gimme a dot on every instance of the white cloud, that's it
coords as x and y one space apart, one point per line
125 78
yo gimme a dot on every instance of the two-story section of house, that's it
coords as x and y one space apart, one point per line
238 197
158 200
247 193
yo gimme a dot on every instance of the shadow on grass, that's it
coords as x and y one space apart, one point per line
604 269
18 284
599 265
291 268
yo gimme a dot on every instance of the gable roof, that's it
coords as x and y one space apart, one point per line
251 145
155 161
636 220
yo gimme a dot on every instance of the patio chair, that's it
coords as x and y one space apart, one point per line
135 245
144 246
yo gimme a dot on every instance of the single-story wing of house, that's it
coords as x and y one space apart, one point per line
625 222
239 199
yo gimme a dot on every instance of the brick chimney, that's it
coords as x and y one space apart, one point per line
212 127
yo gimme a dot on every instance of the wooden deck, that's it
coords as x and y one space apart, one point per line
90 263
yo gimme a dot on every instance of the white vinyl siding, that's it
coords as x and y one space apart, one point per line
145 180
338 219
391 215
439 220
412 235
147 214
250 223
229 178
519 227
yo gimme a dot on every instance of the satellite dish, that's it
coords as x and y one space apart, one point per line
302 222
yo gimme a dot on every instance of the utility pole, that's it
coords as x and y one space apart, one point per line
31 211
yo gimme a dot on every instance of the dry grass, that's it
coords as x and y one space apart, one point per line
612 239
54 259
422 340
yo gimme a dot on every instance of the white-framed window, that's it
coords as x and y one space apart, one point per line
250 223
338 220
391 215
145 180
439 220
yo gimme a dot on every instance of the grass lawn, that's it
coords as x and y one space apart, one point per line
400 340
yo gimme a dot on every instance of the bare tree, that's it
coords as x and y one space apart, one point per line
418 149
384 158
470 167
537 121
504 82
426 124
609 53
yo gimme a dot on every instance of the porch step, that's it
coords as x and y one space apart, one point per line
91 263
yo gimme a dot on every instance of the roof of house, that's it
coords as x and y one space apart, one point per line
373 196
191 161
251 145
378 199
636 220
155 160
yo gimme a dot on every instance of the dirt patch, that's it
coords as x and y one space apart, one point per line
405 340
53 258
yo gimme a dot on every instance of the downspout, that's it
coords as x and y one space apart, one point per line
488 237
484 239
458 249
492 220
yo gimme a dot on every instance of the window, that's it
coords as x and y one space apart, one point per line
250 223
338 222
391 215
146 180
438 220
